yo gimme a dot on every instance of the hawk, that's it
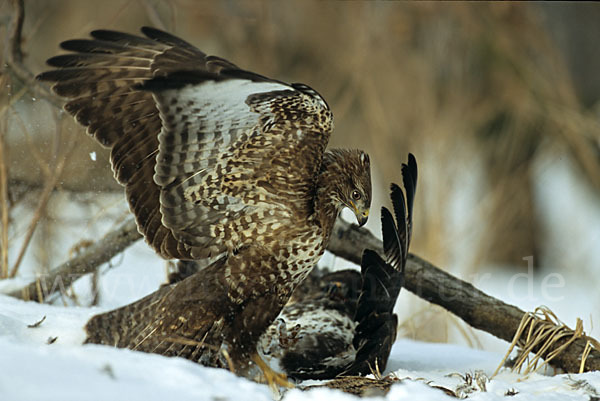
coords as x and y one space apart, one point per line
221 165
343 323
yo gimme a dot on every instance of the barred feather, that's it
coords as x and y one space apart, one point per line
211 137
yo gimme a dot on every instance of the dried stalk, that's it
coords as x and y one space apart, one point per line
541 330
14 57
43 202
4 208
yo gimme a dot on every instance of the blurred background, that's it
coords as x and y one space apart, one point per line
499 102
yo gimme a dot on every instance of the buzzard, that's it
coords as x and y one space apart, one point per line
343 323
221 165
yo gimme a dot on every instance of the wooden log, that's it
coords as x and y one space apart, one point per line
475 307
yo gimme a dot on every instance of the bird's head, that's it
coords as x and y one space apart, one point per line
351 180
341 286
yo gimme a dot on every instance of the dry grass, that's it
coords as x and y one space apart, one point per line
538 333
3 191
51 182
466 87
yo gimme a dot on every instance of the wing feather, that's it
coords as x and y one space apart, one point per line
204 149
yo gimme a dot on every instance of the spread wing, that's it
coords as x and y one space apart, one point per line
211 156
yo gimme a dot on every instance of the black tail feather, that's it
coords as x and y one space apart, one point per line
380 288
394 240
383 279
409 179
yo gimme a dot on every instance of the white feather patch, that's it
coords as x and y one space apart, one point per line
213 114
224 98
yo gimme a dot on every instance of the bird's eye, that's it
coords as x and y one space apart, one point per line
355 195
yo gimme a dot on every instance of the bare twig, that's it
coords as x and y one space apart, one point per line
14 61
14 57
44 197
37 324
95 288
4 207
15 54
30 184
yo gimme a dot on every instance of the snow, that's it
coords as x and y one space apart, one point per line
32 369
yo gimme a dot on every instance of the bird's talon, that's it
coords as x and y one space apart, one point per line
272 378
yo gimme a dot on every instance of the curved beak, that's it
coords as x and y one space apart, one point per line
362 215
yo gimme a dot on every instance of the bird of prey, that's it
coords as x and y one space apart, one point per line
343 322
219 164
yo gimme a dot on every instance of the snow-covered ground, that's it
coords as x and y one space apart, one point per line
33 369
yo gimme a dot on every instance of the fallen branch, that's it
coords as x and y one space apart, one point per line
476 308
88 261
425 280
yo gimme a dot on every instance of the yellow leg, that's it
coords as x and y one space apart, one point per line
272 378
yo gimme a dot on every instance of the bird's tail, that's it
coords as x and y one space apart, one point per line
383 278
118 327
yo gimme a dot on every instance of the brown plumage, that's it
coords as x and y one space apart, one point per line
343 323
220 165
